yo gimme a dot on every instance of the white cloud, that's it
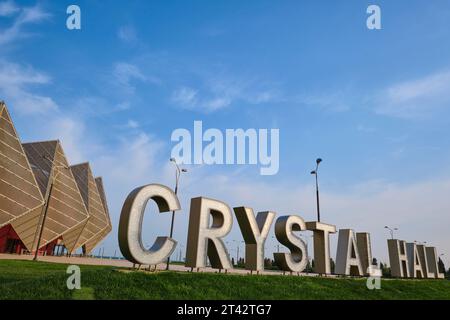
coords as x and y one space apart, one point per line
72 134
32 15
131 162
365 129
127 34
127 74
15 83
217 103
329 102
132 124
8 8
416 98
13 74
220 93
122 106
24 16
185 96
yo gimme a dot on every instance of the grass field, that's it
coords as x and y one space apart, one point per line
40 280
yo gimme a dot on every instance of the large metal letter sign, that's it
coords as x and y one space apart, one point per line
433 259
426 270
204 237
347 257
364 250
130 226
398 257
414 262
255 233
297 260
322 232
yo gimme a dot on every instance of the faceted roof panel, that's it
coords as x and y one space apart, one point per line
98 218
101 190
20 196
66 209
90 245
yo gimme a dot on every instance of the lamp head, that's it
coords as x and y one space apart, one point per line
313 172
172 159
183 170
318 160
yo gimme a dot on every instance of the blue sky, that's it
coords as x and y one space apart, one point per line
372 104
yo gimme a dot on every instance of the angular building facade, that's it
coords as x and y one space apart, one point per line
65 209
21 200
90 245
98 218
44 202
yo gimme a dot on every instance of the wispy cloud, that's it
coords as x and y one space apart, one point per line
365 129
185 96
416 98
127 75
335 101
15 86
8 8
127 34
132 124
220 93
23 16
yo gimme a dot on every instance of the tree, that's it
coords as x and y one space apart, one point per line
374 262
274 265
309 268
385 270
332 265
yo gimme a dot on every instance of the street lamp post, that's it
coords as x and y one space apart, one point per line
177 179
237 249
315 173
44 217
391 230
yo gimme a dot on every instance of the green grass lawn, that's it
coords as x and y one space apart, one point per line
40 280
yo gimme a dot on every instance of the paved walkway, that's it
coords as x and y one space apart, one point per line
127 264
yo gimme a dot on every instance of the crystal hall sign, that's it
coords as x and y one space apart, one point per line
211 220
